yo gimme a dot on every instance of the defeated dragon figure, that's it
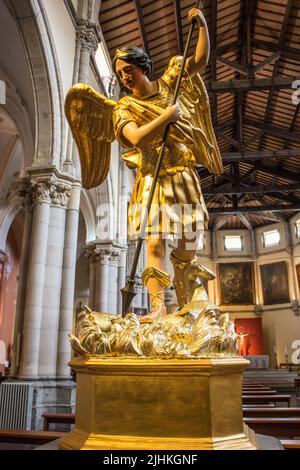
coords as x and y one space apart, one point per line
197 330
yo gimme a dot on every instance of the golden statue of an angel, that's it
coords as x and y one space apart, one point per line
138 122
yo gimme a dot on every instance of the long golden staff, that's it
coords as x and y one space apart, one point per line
129 291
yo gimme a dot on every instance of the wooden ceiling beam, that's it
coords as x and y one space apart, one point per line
234 65
254 209
273 218
141 24
229 157
228 139
219 222
276 131
276 66
213 43
245 220
252 189
272 58
232 86
285 197
177 11
281 172
287 51
219 51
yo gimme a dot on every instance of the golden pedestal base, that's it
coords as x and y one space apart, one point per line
145 404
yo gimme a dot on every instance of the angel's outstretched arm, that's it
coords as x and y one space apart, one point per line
139 137
201 55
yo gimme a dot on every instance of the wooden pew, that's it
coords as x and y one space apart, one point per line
255 387
247 389
271 412
255 399
66 418
276 427
263 392
290 444
29 437
259 405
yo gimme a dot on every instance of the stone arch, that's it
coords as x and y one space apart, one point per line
105 217
9 280
82 265
88 213
7 216
48 97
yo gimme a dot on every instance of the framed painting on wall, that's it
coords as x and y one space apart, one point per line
274 279
236 283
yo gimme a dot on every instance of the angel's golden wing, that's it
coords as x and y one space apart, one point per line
196 118
90 118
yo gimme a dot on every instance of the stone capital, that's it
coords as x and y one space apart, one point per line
115 258
27 198
87 39
3 258
41 190
102 255
49 191
60 193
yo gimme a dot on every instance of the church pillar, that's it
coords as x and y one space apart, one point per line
86 45
91 256
89 44
68 281
102 279
52 289
21 294
121 278
35 280
112 294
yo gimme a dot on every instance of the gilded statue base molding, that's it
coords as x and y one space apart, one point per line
147 404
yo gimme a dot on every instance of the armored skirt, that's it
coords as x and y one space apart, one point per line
177 210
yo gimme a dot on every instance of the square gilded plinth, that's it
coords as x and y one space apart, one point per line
158 404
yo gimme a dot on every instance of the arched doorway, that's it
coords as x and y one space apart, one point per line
9 280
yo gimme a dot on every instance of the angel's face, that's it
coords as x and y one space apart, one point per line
130 74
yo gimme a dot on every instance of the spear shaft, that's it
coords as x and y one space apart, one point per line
129 292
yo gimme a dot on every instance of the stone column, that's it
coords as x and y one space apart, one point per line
90 254
121 278
60 193
21 294
68 282
137 300
35 280
89 44
112 298
69 166
102 279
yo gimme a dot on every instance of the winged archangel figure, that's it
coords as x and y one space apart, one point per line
138 121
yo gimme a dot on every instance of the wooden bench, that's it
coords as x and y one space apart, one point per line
276 427
290 444
265 389
260 392
251 399
258 405
256 387
21 436
66 418
272 412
